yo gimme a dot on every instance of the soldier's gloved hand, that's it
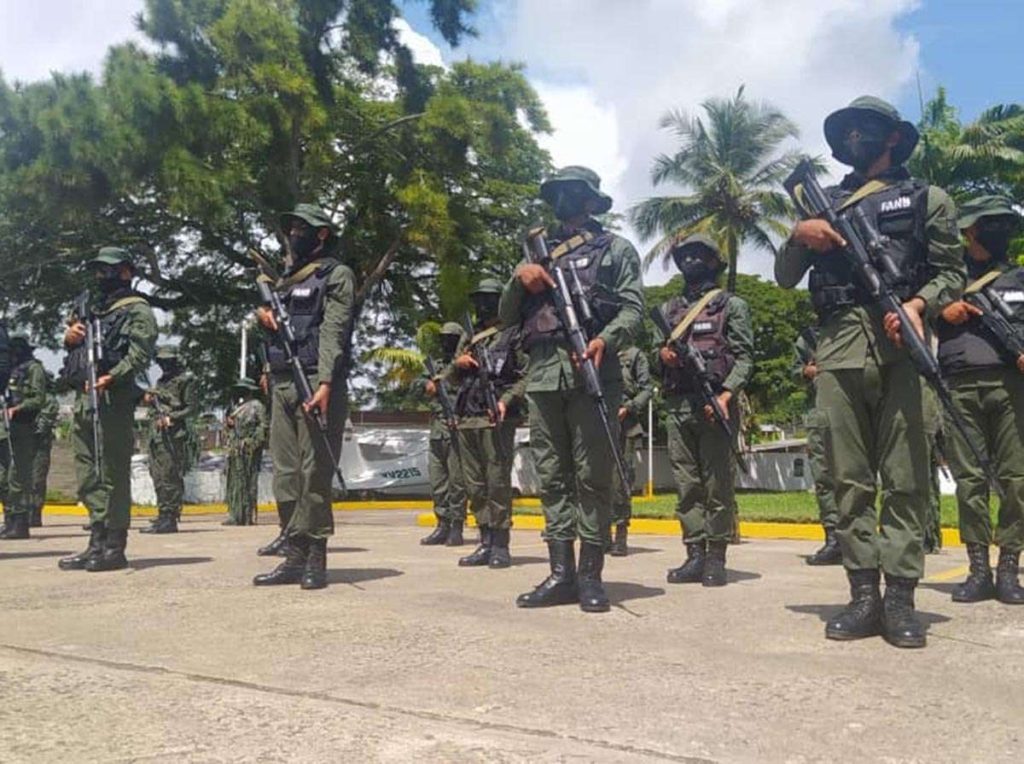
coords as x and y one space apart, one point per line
723 400
320 399
534 278
430 388
960 311
894 331
466 362
74 335
669 357
817 235
266 318
595 350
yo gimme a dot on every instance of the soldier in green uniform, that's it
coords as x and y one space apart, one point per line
988 388
447 485
804 370
173 403
718 326
636 395
46 421
574 462
319 294
486 442
247 427
869 394
128 332
26 395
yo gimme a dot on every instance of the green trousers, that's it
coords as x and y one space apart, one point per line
875 428
41 467
447 486
574 462
5 467
704 471
303 472
487 454
992 402
24 444
817 457
242 484
168 462
622 508
107 495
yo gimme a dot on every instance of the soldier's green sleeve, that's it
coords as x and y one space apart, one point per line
510 306
141 331
34 393
516 393
262 427
188 400
740 336
625 329
945 253
336 327
791 263
644 388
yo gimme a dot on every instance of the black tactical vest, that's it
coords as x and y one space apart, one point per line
971 345
470 400
115 347
707 335
542 323
304 302
899 213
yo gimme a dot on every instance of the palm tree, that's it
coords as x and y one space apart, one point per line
730 166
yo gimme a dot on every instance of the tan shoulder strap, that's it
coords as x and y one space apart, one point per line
692 313
869 188
123 303
571 244
983 282
481 336
300 275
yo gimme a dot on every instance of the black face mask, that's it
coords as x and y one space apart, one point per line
486 306
108 279
303 244
168 368
570 202
866 142
695 269
995 238
449 342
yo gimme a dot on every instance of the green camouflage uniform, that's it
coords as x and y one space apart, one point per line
447 485
637 390
824 490
247 436
172 450
27 391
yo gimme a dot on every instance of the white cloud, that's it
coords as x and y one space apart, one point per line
609 69
424 51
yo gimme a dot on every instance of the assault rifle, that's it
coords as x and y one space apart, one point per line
161 413
997 317
566 301
865 251
286 339
443 397
484 371
694 361
93 357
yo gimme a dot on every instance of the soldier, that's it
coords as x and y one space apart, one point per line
319 294
804 370
46 421
717 324
636 395
868 390
486 441
247 436
26 395
985 378
127 332
447 486
574 462
173 406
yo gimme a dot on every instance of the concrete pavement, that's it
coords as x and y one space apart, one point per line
408 657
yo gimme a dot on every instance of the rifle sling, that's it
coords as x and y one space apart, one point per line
692 313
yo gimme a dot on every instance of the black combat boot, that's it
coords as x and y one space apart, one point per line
292 568
830 553
482 554
900 625
500 556
16 527
560 587
978 587
165 523
112 557
1008 589
863 616
691 571
97 535
714 565
276 548
36 517
439 535
588 580
315 575
454 534
619 546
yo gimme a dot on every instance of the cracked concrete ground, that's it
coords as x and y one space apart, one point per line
408 657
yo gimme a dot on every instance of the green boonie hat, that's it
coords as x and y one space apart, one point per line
985 207
246 384
450 327
488 286
19 338
167 353
699 240
576 174
112 256
837 123
308 213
